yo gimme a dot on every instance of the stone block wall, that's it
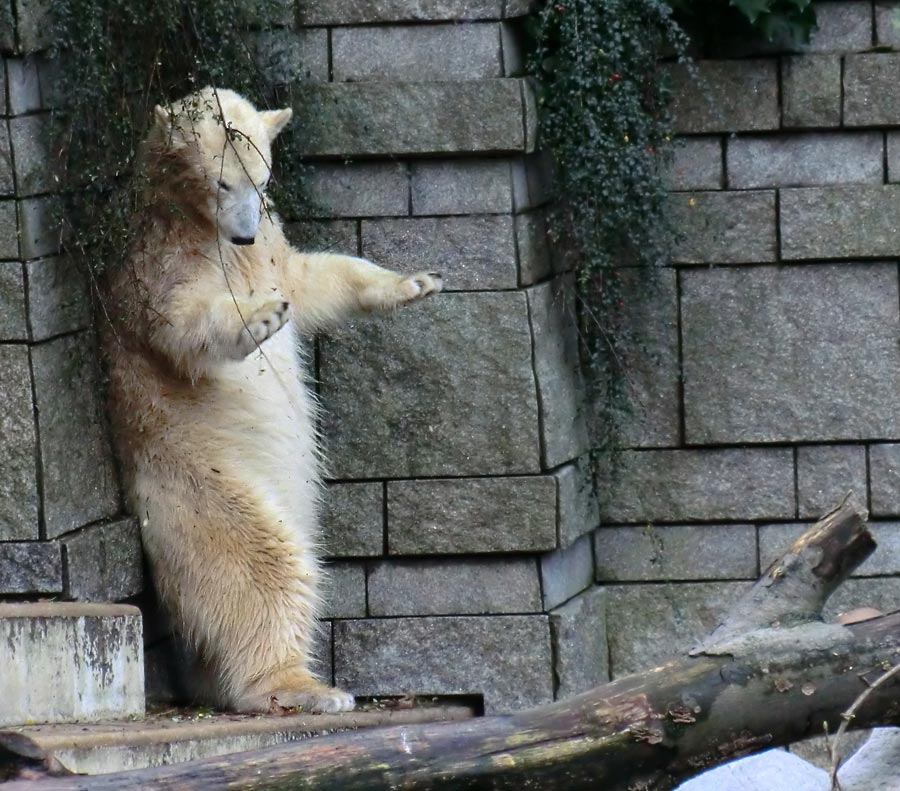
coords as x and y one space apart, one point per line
771 384
62 530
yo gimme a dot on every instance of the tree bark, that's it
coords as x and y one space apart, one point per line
770 674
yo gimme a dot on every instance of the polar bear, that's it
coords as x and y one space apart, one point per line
213 423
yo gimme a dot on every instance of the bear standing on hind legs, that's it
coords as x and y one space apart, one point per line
213 423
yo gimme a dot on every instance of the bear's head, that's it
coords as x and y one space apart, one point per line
214 149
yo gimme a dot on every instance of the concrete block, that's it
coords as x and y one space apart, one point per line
505 658
854 221
354 520
290 56
580 647
811 91
70 662
344 594
475 586
30 567
806 160
18 448
457 515
566 572
79 480
676 552
723 227
884 479
405 118
466 186
733 96
733 484
696 164
359 189
578 509
473 253
381 378
356 12
825 473
9 230
417 52
13 324
58 297
755 340
104 562
561 389
869 98
647 624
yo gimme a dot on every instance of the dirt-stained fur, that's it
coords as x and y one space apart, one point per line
212 418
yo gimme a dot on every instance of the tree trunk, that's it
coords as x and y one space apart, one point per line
770 674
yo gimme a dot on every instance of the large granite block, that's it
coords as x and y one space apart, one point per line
804 160
79 481
869 95
675 552
39 231
353 525
30 567
580 646
356 12
825 473
566 572
733 484
732 96
104 562
30 138
696 164
70 662
416 52
359 189
344 594
7 41
811 91
854 221
884 479
887 23
476 586
58 297
412 118
18 448
561 390
505 658
33 24
289 56
445 387
472 253
336 236
13 324
643 390
9 231
535 259
465 186
648 624
841 26
723 227
451 516
7 179
791 353
23 85
578 509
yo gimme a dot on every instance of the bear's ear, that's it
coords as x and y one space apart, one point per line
276 120
162 116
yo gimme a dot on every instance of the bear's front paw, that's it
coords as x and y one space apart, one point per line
421 285
262 324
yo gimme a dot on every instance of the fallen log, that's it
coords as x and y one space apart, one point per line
770 674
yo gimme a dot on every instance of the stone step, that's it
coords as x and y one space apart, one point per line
175 736
70 662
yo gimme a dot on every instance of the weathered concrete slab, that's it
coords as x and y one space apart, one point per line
70 662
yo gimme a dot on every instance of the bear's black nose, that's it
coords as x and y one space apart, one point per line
243 239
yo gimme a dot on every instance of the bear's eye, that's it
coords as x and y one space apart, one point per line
224 187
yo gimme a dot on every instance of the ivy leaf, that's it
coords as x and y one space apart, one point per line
752 9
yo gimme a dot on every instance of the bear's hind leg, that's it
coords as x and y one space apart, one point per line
291 687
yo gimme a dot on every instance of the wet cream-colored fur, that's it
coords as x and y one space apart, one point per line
212 418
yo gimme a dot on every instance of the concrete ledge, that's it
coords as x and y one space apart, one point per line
67 662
